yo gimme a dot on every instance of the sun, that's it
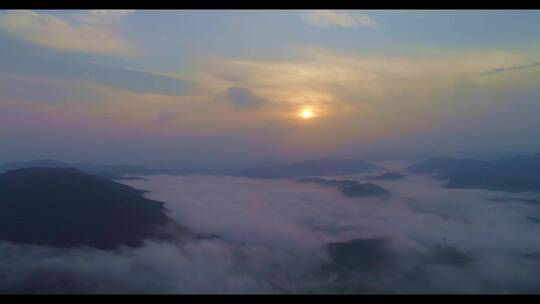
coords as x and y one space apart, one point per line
306 114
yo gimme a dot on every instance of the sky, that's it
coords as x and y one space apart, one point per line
215 88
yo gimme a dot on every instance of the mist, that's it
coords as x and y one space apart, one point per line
272 236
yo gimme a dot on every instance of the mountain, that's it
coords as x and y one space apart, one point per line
366 255
387 176
529 164
109 171
65 207
39 163
297 169
114 171
349 188
514 174
483 154
444 166
310 168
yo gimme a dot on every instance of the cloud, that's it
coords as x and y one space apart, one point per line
334 18
243 98
103 17
165 117
437 239
273 236
31 62
383 97
91 33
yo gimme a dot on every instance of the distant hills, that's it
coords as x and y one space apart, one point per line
40 163
117 171
443 166
66 207
387 176
315 167
109 171
514 174
349 188
368 256
298 169
366 260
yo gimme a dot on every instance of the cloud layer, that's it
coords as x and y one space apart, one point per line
272 236
90 33
242 98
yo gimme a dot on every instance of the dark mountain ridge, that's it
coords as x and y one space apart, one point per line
109 171
38 163
349 188
65 207
514 174
387 176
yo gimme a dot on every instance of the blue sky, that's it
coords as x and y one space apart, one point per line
164 86
168 40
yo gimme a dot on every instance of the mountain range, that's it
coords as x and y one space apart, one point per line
109 171
514 174
349 188
66 207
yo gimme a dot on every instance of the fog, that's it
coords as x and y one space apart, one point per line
271 236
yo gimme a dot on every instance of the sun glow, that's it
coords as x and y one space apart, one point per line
306 114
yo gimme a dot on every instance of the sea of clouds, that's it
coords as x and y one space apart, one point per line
271 236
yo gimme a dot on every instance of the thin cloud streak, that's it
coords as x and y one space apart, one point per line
336 18
91 34
511 68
